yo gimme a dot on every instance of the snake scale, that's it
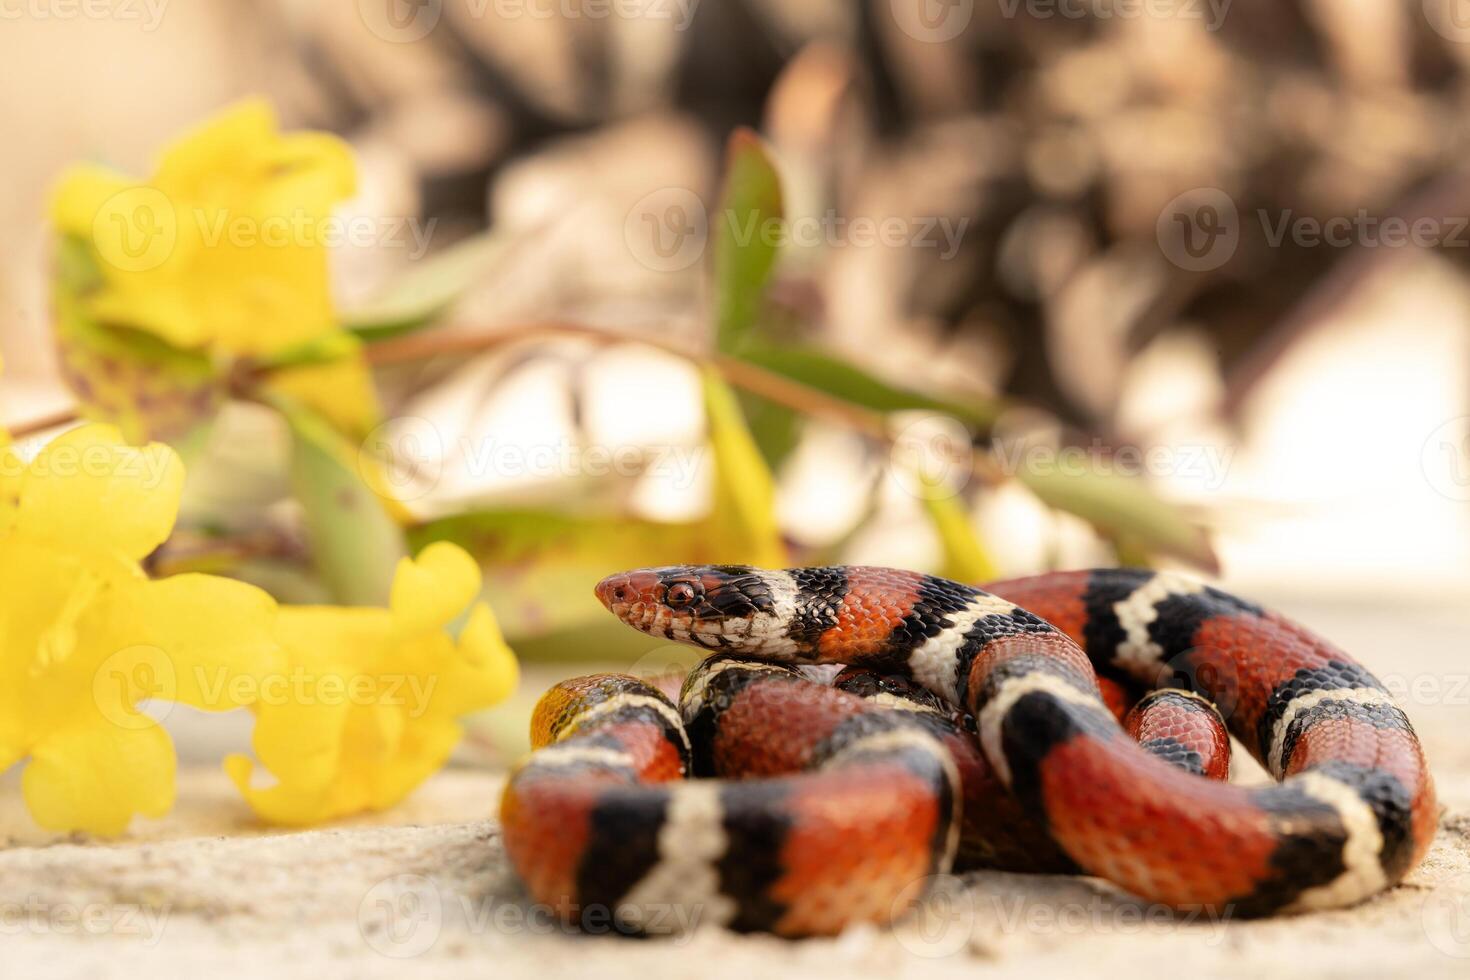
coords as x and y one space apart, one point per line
968 728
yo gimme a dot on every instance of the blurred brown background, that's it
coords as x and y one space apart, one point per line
1107 214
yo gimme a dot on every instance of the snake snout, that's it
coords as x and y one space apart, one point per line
628 593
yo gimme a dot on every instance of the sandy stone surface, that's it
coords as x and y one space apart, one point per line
425 890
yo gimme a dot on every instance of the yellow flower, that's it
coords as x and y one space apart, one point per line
85 635
225 246
375 694
221 254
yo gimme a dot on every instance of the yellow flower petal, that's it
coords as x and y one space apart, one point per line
96 776
208 642
430 591
281 804
341 391
424 750
300 740
320 636
743 525
205 162
226 245
12 468
314 169
88 489
80 195
483 671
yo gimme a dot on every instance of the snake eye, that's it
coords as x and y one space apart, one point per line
681 594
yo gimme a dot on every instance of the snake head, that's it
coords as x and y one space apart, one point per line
726 607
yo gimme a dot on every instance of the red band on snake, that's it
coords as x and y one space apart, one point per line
967 721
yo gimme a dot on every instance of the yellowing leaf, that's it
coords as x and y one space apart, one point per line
742 524
1123 508
965 557
428 288
125 377
341 391
355 539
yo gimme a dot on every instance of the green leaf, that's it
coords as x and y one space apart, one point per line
325 349
426 290
744 238
846 381
775 428
743 520
356 540
1123 508
965 557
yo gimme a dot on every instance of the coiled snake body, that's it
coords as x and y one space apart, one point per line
982 724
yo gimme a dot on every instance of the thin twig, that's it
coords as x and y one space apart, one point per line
35 427
754 379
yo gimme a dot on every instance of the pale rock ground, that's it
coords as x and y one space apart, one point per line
425 890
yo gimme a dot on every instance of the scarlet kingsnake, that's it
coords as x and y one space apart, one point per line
832 807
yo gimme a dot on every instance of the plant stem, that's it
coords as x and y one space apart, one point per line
36 426
754 379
